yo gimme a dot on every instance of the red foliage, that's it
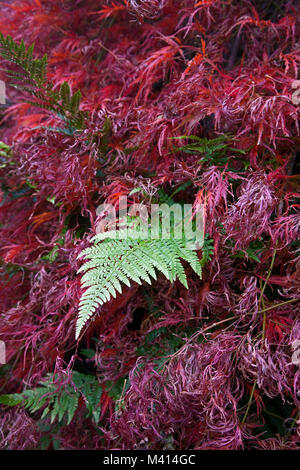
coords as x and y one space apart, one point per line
150 71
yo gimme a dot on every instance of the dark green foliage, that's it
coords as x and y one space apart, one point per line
112 261
213 151
34 81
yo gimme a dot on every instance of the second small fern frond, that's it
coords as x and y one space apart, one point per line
33 80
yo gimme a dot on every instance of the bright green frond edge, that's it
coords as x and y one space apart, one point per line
118 258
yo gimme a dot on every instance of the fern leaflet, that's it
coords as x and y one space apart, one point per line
34 78
59 401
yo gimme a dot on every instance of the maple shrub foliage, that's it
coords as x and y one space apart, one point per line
161 101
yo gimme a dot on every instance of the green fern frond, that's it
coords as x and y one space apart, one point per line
34 69
34 77
5 155
215 151
118 257
60 402
207 250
